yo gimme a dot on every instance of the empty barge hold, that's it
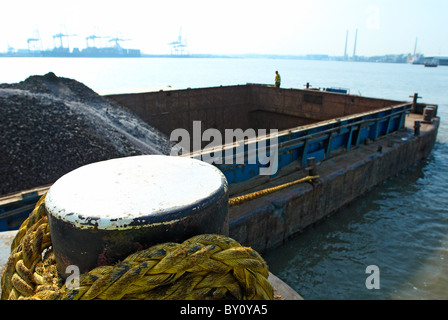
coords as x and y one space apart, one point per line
261 137
352 143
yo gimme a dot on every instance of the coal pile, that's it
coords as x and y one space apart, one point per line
52 125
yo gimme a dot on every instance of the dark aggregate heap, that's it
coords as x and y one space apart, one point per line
51 125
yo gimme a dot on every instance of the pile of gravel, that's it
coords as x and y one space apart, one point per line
52 125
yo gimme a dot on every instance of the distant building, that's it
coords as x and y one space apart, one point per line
443 60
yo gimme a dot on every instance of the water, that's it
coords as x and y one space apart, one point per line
400 226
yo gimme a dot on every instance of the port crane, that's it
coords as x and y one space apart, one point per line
35 43
178 46
31 44
92 39
60 36
116 40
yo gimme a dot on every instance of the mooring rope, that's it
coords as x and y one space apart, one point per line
258 194
206 266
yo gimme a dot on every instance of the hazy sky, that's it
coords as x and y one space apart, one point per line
235 26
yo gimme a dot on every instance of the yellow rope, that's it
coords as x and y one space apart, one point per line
258 194
202 267
31 240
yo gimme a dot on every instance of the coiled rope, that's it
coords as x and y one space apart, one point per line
202 267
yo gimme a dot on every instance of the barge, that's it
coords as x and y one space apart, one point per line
352 143
340 145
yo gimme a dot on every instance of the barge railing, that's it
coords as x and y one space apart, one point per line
312 141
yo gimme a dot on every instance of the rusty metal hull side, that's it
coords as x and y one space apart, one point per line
268 222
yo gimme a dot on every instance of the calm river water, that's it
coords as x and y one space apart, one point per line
401 226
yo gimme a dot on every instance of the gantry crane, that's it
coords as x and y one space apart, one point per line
92 39
59 36
178 46
35 43
116 40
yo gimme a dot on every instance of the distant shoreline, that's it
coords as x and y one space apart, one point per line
392 58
